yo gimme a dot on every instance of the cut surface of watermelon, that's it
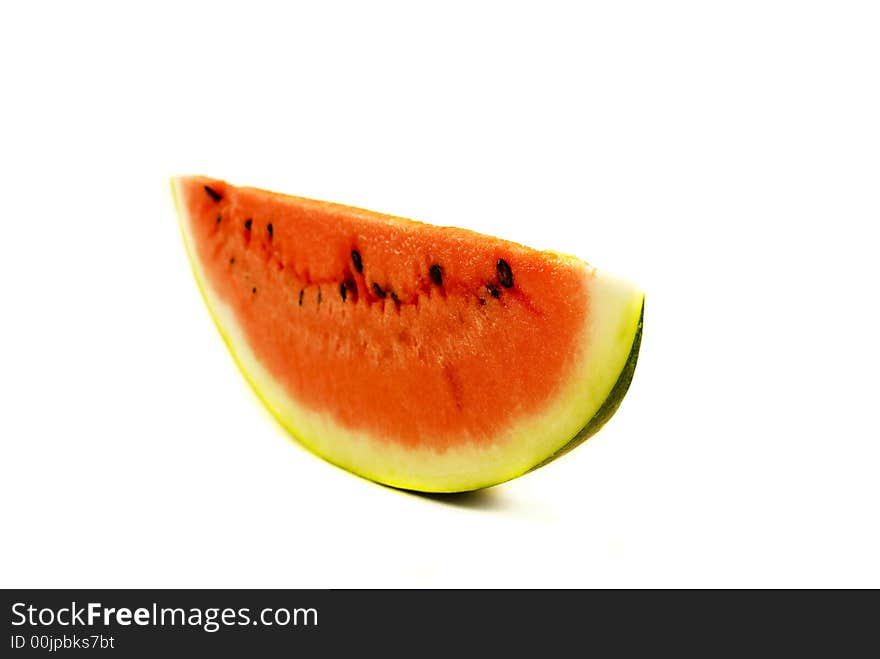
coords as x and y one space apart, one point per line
423 357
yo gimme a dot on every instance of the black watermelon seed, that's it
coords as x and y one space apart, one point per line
219 219
356 259
482 301
343 291
494 292
301 291
436 274
394 297
213 194
254 290
269 229
248 223
378 290
505 276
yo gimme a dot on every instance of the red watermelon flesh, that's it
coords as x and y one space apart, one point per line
424 357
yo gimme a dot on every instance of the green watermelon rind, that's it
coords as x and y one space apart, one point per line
611 404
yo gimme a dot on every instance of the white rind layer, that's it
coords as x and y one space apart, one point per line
608 335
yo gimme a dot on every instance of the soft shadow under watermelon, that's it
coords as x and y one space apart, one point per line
495 501
488 499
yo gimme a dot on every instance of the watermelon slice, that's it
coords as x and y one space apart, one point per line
426 358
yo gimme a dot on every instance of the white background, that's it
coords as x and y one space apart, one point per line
725 156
